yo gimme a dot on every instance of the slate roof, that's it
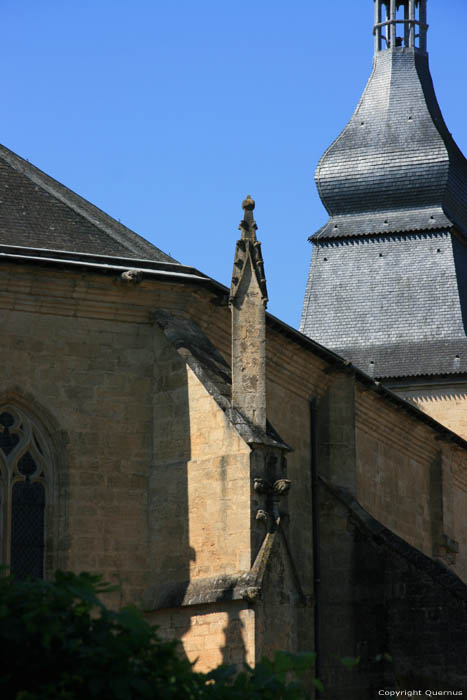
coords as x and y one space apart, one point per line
395 167
419 359
398 301
36 211
387 287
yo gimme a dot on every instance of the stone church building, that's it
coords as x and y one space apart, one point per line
254 487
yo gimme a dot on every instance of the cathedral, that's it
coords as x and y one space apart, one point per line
250 486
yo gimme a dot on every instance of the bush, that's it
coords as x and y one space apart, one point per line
59 641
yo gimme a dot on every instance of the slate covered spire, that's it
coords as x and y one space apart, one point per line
395 167
387 287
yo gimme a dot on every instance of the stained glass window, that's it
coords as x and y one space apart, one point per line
27 529
7 440
24 470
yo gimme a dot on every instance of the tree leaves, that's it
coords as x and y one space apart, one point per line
350 661
60 641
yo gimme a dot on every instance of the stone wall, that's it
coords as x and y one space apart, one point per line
394 457
451 543
283 619
211 634
373 452
351 606
446 404
94 378
407 612
411 481
130 412
200 482
154 481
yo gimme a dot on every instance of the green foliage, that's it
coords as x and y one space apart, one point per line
350 661
60 642
267 681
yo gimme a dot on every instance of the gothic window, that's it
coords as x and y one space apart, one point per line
25 466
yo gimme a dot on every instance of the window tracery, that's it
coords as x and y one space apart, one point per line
25 464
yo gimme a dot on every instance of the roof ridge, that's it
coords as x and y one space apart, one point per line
97 217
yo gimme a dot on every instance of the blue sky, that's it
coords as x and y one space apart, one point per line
166 115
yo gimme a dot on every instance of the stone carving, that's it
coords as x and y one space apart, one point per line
247 300
448 549
132 276
273 491
251 593
248 247
263 516
262 486
278 488
281 487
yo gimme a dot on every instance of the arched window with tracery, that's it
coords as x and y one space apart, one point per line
25 473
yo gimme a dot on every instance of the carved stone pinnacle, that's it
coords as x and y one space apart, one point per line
248 203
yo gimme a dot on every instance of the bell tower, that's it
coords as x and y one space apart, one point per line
387 287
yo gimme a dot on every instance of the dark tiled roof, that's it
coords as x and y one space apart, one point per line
397 301
36 211
387 287
384 223
425 358
395 167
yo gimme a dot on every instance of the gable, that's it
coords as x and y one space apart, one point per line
36 211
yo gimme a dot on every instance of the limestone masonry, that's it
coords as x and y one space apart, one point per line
253 487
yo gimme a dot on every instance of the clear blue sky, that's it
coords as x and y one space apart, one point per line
166 114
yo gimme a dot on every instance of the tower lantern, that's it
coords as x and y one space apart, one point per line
400 24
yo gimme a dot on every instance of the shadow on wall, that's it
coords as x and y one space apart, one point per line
181 489
460 263
234 649
170 552
407 610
